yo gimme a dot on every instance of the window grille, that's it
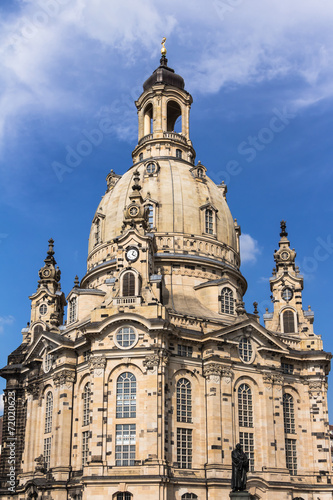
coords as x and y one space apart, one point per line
185 350
287 368
288 414
227 301
184 400
288 322
189 496
48 362
184 448
129 285
126 396
151 168
245 410
47 452
97 232
86 404
126 336
247 442
72 309
291 456
123 496
245 349
125 444
85 447
150 209
209 221
48 412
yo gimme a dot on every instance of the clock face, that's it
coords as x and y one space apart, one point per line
132 254
284 255
46 273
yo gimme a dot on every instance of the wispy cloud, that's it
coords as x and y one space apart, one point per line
5 320
249 249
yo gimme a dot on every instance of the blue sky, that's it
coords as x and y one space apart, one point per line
66 64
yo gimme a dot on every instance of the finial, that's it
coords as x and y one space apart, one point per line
136 177
255 305
163 49
76 282
283 226
50 251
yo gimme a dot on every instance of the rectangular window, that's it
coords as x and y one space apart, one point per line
247 442
185 350
47 452
291 456
287 368
72 310
86 355
85 447
125 444
209 221
184 448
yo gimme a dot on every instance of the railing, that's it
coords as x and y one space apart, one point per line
145 139
174 136
126 300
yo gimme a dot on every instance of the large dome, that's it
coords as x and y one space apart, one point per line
180 198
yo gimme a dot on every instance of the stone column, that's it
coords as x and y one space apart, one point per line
212 374
280 458
97 369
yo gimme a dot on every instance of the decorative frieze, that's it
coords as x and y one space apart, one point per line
213 372
150 362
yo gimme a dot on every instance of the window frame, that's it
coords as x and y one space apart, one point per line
120 445
291 455
48 412
246 440
47 448
130 345
246 358
289 421
124 410
184 447
184 401
245 406
227 300
86 396
283 323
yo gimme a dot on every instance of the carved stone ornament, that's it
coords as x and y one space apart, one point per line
64 378
213 372
164 356
315 386
97 364
151 361
40 464
227 374
276 379
34 389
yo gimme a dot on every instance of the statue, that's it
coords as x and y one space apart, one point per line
240 466
40 464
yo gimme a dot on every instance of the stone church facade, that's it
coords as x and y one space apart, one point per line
159 371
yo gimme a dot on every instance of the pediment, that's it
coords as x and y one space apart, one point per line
264 339
45 341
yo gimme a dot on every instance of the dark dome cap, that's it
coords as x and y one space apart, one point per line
164 74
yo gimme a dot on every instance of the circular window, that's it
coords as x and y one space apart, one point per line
151 168
245 350
285 255
133 211
43 309
126 337
287 294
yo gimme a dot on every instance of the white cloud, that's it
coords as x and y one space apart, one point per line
249 249
47 48
1 404
5 320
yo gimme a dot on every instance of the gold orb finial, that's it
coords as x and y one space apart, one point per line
163 49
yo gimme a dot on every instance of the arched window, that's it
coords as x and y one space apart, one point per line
179 153
148 119
72 309
245 410
140 156
97 231
200 173
288 414
150 210
129 284
126 396
174 113
209 221
48 412
189 496
245 349
288 321
227 301
184 400
123 496
86 404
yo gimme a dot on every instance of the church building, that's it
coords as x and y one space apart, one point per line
158 371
